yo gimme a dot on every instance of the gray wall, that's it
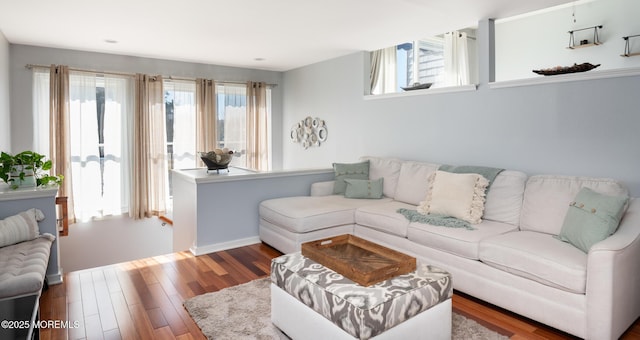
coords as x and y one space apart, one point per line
586 128
5 121
21 81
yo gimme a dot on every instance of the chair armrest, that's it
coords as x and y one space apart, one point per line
322 188
613 275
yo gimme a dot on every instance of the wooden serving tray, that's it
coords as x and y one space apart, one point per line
359 260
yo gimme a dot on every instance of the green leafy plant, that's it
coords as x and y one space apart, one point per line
14 167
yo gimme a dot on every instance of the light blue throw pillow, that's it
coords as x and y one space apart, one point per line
362 188
591 218
343 171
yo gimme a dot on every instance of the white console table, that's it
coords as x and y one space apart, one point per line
216 211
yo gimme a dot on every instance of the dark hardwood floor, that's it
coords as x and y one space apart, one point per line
143 299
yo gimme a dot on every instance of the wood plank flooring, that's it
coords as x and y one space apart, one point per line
143 299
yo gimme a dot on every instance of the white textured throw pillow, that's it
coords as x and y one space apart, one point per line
21 227
458 195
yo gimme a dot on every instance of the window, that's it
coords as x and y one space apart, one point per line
100 143
99 118
180 110
231 102
430 66
445 60
101 127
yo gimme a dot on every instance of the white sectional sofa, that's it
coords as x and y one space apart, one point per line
512 259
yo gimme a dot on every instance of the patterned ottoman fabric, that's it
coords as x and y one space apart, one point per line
363 312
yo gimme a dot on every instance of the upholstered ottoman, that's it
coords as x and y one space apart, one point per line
310 301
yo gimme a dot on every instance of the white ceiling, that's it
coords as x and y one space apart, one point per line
286 34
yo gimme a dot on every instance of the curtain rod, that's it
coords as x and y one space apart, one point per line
31 66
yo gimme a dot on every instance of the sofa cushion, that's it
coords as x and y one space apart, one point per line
306 213
348 170
387 168
324 188
457 241
547 197
383 217
457 195
364 188
504 197
20 227
413 181
24 266
539 257
591 218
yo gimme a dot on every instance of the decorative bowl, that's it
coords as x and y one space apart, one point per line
417 86
216 161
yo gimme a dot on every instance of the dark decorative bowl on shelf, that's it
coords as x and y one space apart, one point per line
216 161
584 67
417 86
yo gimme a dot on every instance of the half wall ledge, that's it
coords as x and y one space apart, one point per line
430 91
563 78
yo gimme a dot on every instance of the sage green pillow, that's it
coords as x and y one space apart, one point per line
362 188
343 171
591 218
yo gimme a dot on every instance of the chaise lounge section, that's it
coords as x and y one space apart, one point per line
514 258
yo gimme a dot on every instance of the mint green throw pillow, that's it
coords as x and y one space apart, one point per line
343 171
362 188
591 218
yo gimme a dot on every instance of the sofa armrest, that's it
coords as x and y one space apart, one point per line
613 278
627 233
322 188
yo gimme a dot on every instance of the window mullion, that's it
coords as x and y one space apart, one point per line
416 62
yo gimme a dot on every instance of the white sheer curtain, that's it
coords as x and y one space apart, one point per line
100 182
117 144
41 111
85 156
384 71
184 123
234 107
456 59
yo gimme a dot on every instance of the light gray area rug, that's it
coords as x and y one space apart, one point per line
244 312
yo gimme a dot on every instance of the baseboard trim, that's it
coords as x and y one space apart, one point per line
211 248
55 279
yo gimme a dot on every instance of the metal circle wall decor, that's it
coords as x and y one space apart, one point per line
309 131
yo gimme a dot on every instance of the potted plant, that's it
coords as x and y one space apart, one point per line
27 168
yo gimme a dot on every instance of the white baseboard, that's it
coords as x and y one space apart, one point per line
55 279
211 248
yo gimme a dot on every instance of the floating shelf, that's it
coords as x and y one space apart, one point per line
627 49
584 43
583 46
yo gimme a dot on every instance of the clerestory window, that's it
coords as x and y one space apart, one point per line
440 61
